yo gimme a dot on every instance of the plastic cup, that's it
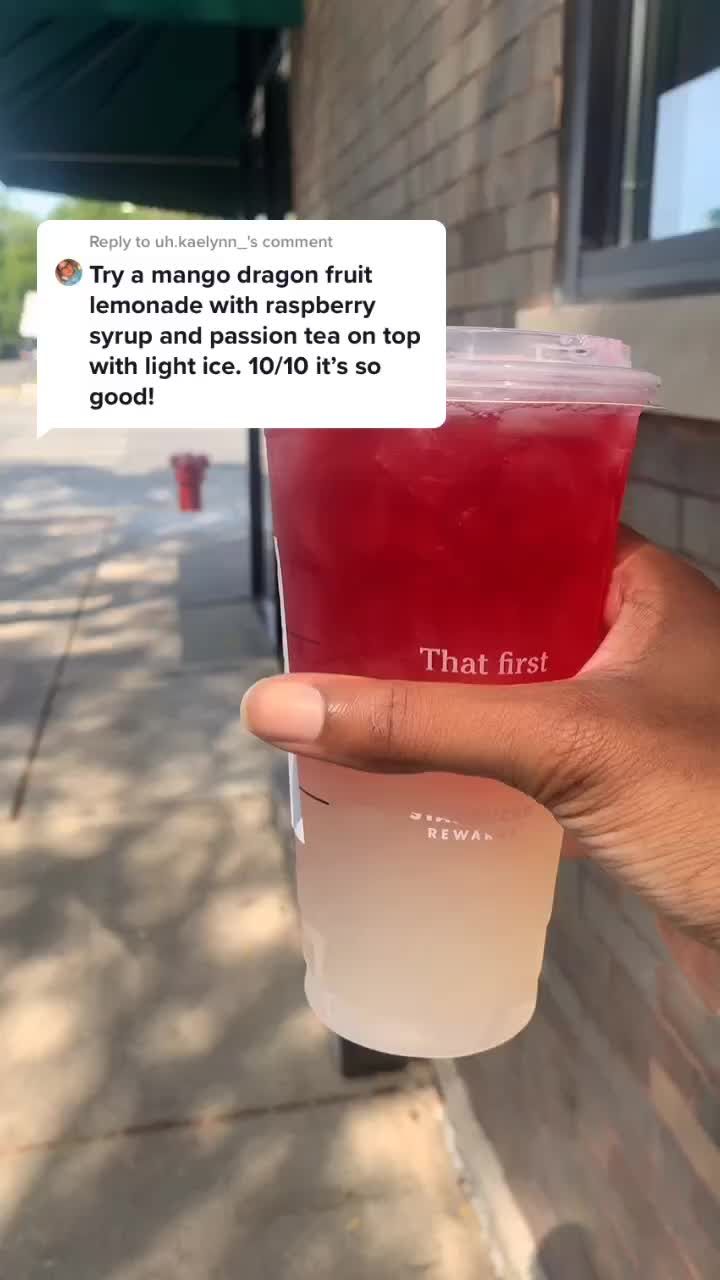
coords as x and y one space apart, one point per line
478 553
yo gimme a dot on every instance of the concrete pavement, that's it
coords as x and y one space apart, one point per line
169 1106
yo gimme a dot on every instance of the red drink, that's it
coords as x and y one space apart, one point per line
487 543
479 552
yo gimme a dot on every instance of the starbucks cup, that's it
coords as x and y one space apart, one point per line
479 553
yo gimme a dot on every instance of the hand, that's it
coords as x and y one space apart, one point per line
626 755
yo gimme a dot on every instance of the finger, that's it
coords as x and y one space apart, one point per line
541 738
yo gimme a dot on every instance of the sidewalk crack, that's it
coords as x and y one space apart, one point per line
214 1119
23 782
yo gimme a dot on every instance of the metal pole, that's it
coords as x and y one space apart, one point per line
638 42
248 49
257 520
578 54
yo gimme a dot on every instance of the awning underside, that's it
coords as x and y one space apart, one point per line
153 112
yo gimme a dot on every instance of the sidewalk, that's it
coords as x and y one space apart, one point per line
169 1107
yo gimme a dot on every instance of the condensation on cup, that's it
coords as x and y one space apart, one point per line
479 553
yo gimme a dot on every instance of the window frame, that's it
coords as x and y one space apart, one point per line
687 264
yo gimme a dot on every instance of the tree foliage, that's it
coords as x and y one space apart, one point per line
17 267
17 249
104 209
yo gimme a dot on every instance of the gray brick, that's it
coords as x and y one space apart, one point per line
519 268
511 18
414 183
430 207
405 20
452 107
547 55
424 51
474 288
403 195
483 238
470 102
495 91
444 76
426 179
455 201
654 512
475 200
455 288
681 454
533 223
455 19
404 112
438 122
541 112
535 9
477 46
538 165
491 286
420 140
509 74
543 274
399 155
701 529
500 317
469 154
380 64
472 291
507 280
415 66
454 250
435 172
502 186
456 149
507 128
417 100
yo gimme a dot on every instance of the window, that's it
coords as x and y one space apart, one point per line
642 132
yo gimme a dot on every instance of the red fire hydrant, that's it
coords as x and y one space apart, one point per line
189 471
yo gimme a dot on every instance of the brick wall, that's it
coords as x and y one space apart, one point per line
604 1114
443 109
674 493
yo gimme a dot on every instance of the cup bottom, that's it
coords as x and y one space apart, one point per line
402 1040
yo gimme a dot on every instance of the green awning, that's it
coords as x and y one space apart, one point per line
142 100
237 13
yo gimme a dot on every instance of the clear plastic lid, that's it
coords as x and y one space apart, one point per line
519 366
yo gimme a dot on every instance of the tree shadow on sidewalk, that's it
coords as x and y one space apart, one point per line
31 488
170 1107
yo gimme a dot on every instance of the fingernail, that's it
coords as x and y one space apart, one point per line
281 710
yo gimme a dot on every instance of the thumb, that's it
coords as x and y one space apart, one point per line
543 739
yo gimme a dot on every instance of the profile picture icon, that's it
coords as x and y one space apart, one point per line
68 271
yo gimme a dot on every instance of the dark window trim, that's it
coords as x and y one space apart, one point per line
688 264
680 264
